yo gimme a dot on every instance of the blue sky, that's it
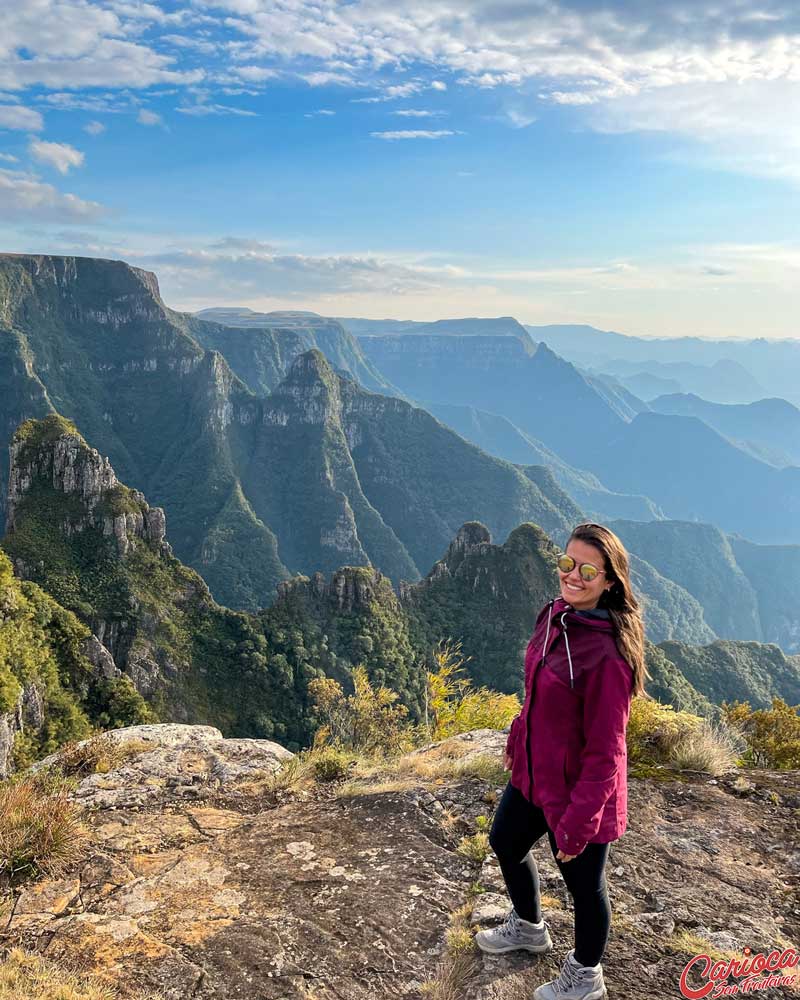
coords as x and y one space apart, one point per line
630 165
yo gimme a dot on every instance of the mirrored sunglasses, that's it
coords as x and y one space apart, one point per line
588 572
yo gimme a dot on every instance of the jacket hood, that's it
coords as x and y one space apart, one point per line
559 606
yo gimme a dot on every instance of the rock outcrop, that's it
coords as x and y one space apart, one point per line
100 550
202 881
51 453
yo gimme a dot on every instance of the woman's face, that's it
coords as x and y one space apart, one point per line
583 594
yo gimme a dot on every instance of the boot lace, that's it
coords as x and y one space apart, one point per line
570 975
513 925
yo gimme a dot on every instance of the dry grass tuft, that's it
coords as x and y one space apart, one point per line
40 831
27 976
458 965
99 755
707 748
475 847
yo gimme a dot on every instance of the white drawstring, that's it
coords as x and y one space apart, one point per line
547 634
569 657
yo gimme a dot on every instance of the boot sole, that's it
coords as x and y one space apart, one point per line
596 995
537 949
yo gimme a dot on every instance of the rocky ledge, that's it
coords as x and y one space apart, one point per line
201 884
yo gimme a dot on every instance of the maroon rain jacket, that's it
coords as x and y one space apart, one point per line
567 745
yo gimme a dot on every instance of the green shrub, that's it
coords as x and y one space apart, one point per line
454 706
330 764
772 735
368 721
658 736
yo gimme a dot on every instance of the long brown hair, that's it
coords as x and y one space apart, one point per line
619 601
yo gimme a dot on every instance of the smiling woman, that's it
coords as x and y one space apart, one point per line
568 757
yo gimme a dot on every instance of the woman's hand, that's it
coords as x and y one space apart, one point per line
507 762
561 856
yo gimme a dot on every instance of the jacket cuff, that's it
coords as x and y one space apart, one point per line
567 843
510 740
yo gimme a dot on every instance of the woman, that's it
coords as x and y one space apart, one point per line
567 755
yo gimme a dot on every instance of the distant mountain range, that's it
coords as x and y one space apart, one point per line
772 364
499 326
296 467
769 428
680 462
317 474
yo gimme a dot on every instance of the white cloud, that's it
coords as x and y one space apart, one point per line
622 66
392 136
59 155
146 117
200 110
105 103
685 69
254 74
94 128
9 158
14 116
519 119
25 198
324 79
324 112
201 45
416 113
240 268
77 43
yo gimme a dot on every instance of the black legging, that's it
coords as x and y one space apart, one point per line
517 825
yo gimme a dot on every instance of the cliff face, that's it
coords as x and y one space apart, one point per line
92 340
51 454
41 289
528 384
56 680
490 595
260 347
100 550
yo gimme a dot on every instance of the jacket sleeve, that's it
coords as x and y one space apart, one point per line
511 735
606 707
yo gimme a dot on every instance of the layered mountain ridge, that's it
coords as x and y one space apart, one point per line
93 341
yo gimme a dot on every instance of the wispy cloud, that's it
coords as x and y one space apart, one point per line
201 110
254 74
392 136
519 119
416 113
94 128
149 118
14 116
59 155
26 198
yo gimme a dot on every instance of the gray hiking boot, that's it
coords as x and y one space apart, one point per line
513 934
574 982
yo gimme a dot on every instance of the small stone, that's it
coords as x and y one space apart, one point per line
490 908
658 924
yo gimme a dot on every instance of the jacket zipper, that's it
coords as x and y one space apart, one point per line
530 703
